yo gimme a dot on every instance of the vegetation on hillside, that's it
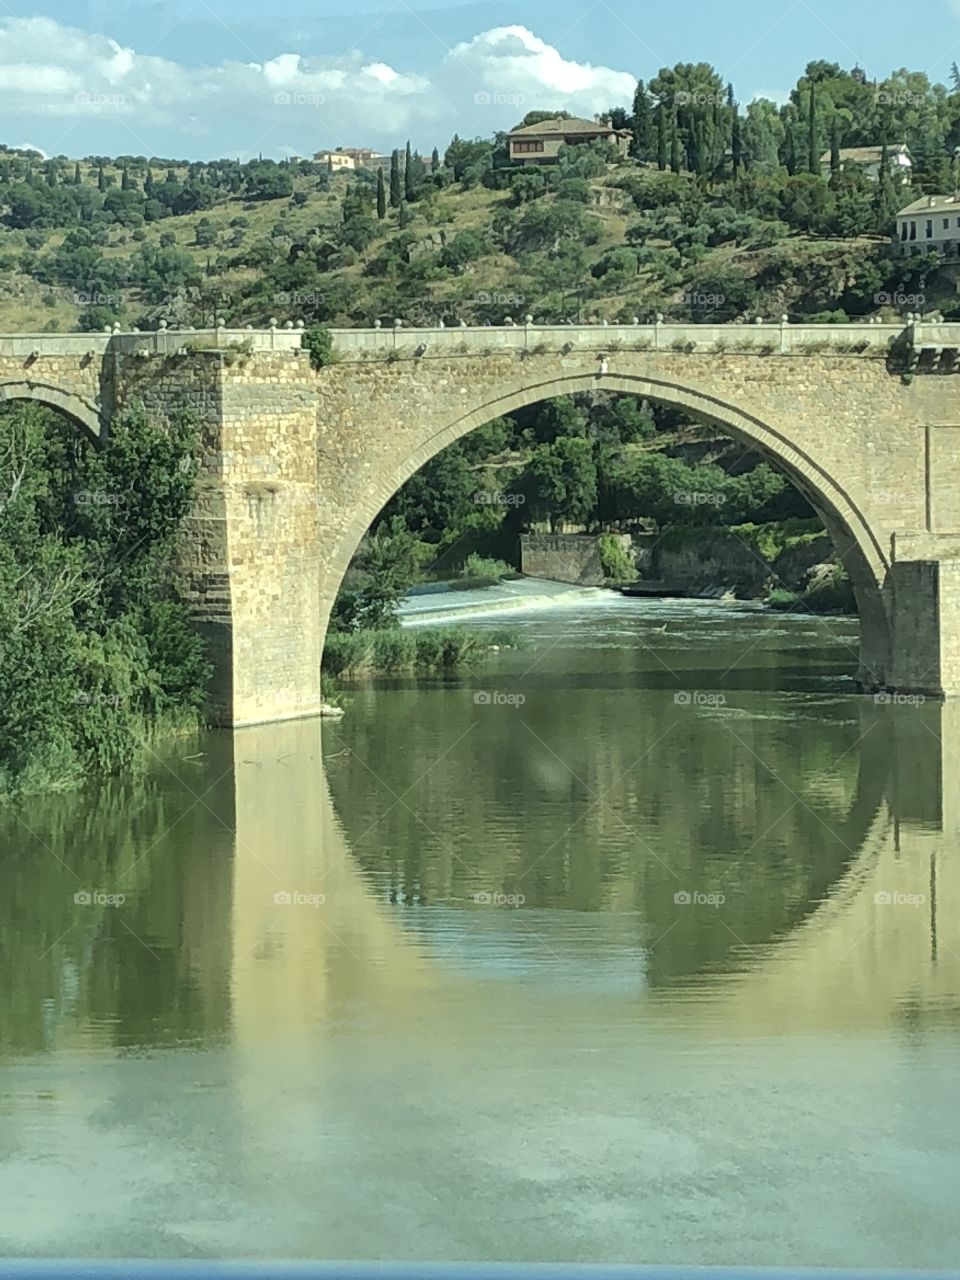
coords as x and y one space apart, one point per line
719 211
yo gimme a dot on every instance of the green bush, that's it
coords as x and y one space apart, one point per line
616 562
318 341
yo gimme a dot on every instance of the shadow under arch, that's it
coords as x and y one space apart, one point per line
84 413
858 546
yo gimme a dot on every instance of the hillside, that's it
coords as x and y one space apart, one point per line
85 245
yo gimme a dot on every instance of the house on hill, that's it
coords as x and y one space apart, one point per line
540 143
869 159
929 225
346 158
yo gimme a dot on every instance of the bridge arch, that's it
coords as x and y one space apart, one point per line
78 409
858 543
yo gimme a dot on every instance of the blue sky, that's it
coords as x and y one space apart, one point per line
203 78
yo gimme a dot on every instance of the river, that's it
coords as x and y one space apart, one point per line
639 943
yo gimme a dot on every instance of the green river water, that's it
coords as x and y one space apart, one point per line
636 944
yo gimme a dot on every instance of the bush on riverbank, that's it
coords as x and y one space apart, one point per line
97 656
392 649
482 571
829 592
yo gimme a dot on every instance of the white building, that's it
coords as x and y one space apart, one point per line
929 225
869 159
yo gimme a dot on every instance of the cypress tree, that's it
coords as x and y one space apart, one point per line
51 177
148 183
101 179
661 138
835 165
381 196
396 195
435 161
641 124
674 144
736 143
813 150
77 178
124 179
886 202
403 216
409 190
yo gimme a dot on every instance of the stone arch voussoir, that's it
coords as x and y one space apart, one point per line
77 408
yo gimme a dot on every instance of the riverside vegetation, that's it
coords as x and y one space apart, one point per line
97 658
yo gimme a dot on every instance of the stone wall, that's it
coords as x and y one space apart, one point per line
565 557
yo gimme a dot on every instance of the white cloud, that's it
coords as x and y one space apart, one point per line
51 73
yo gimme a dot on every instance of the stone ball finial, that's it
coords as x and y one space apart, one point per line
398 324
463 324
249 328
528 319
299 325
220 322
758 320
784 319
162 324
288 324
273 322
107 329
635 320
378 324
440 324
658 318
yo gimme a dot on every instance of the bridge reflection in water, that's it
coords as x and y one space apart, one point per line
885 938
241 1075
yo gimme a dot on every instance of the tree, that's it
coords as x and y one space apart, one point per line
763 135
409 191
641 124
465 247
125 183
396 191
101 179
381 196
561 482
77 179
736 143
886 201
835 165
434 160
205 232
675 158
813 144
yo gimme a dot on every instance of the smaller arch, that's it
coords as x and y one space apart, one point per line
77 408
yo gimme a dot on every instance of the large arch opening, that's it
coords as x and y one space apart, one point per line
858 548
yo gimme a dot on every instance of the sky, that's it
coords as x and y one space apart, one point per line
200 79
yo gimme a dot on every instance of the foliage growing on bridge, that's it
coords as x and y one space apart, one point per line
318 341
96 654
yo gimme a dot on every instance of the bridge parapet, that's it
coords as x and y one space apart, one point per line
757 339
855 339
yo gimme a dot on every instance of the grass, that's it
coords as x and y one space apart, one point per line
393 649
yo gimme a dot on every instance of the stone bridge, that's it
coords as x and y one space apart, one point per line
295 462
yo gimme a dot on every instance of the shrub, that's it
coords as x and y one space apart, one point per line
318 341
616 562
